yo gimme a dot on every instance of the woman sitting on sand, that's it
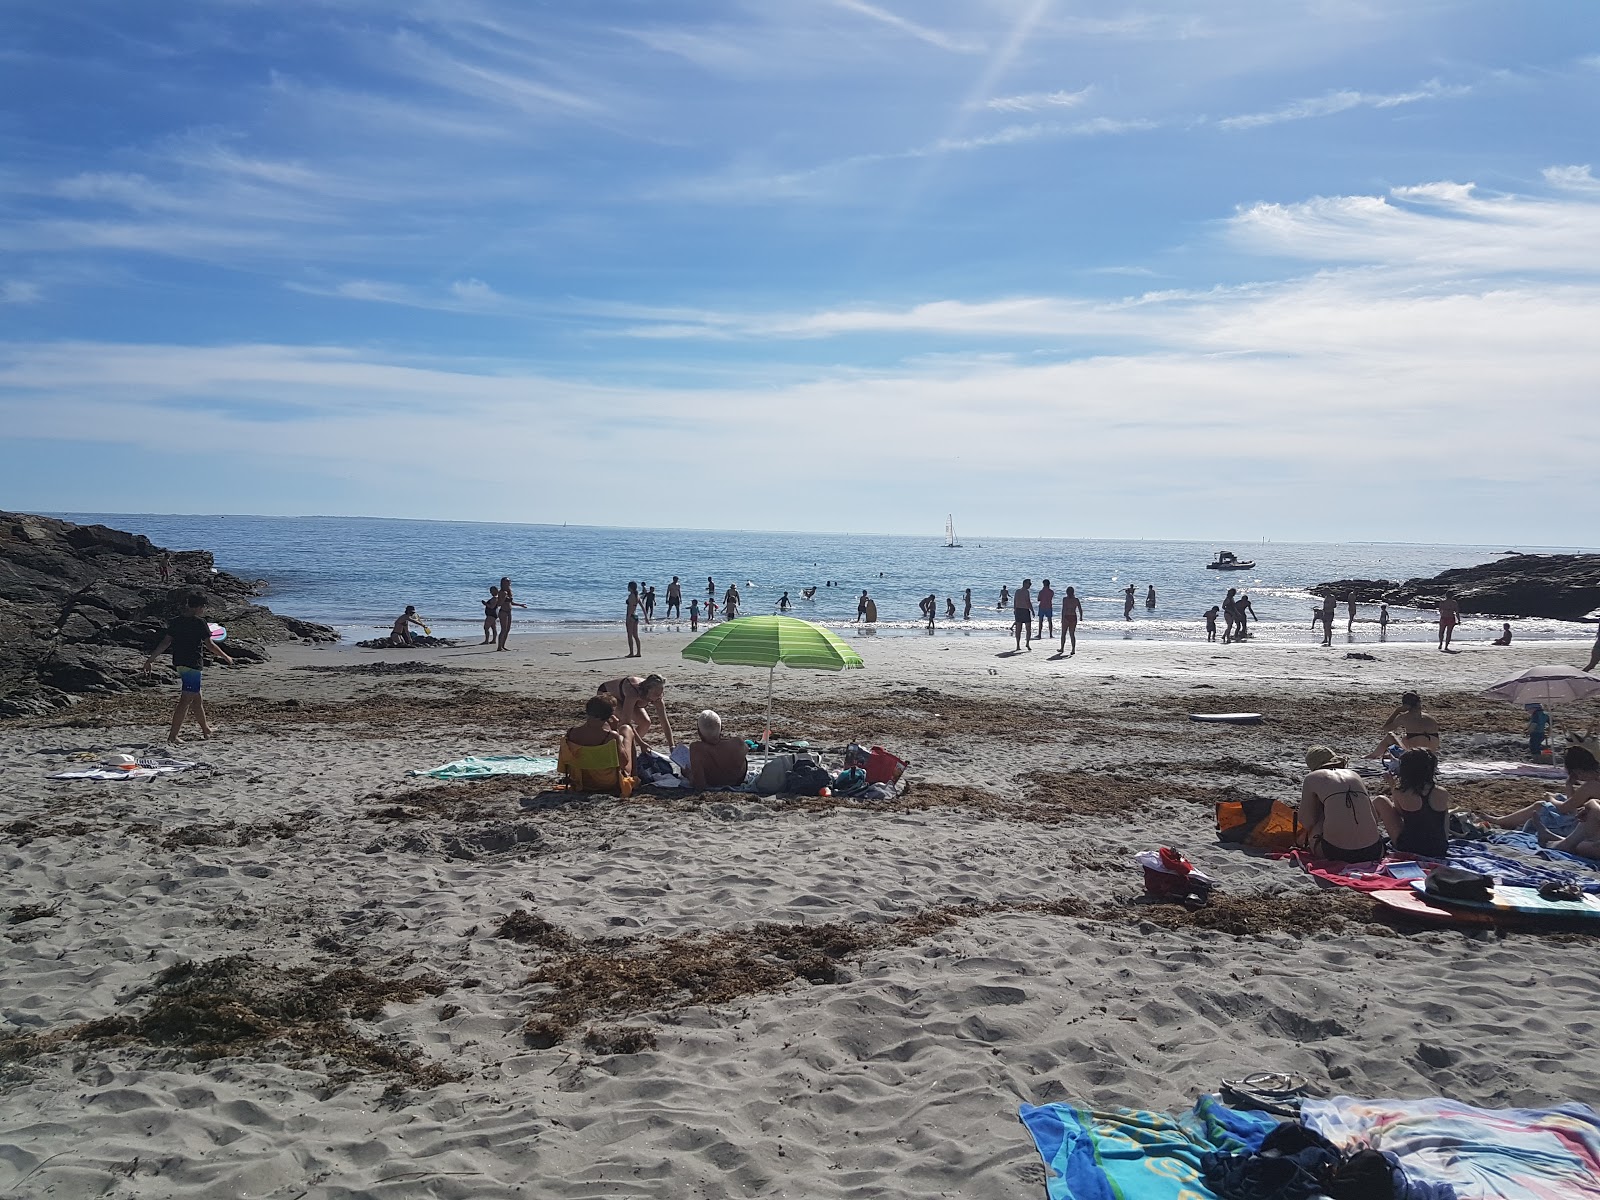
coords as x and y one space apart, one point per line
1336 814
1408 728
1416 814
1561 816
636 698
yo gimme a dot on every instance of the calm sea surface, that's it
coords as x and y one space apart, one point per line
357 573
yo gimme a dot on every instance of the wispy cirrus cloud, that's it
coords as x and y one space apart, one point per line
1343 100
20 291
1039 101
461 295
1577 178
922 33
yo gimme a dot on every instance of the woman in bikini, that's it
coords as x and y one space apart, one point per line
1071 614
507 603
631 621
1418 811
1408 728
636 698
1336 814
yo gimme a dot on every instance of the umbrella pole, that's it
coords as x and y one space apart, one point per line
766 738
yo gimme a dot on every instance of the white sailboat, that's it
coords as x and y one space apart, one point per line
950 542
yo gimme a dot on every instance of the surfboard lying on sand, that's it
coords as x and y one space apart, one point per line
1411 904
1519 902
1227 718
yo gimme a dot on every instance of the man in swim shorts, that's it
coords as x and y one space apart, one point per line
1022 613
189 635
1047 608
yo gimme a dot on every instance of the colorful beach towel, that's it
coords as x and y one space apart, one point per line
1370 877
1487 1154
1462 770
1126 1154
147 768
483 768
1518 840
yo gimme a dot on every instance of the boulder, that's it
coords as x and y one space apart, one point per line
75 598
1562 587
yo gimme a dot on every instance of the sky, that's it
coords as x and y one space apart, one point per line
1299 269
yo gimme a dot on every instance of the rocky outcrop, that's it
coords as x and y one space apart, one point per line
1563 587
80 606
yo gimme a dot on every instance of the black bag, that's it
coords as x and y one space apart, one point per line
807 778
1454 883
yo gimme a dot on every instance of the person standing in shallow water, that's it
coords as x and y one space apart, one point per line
507 603
631 621
1150 598
1127 604
675 599
966 606
1047 609
491 615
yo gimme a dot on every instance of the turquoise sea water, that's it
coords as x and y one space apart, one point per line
357 573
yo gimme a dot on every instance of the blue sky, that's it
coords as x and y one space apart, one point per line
1315 270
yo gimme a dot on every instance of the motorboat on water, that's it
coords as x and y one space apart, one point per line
1227 560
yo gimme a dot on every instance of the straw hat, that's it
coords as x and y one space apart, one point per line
1319 757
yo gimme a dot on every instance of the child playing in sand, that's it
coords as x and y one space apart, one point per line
189 636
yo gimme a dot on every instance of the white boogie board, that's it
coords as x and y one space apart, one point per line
1227 718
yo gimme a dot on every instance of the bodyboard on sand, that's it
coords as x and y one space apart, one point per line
1518 902
1411 904
1226 718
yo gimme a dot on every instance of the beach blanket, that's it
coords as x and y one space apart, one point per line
148 768
1487 1154
484 768
1499 770
1518 840
1127 1154
1371 877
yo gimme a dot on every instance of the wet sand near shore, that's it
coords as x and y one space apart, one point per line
297 972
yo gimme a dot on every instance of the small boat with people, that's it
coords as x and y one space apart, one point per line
1227 560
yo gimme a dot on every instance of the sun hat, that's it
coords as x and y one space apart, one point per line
1319 757
119 760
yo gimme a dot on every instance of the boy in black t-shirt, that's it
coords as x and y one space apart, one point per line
189 636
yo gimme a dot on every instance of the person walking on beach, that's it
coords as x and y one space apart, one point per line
1071 614
929 605
730 602
1150 598
1047 609
1350 613
190 638
507 603
1449 618
1022 613
694 615
1211 622
966 608
1127 604
675 599
631 622
491 615
1383 622
1325 615
649 606
1230 615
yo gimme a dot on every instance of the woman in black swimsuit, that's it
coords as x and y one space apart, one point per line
1416 814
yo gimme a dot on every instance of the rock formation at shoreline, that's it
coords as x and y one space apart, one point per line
80 606
1563 587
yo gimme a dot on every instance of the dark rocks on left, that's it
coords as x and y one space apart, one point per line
81 605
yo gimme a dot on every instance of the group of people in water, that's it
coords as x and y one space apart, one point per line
1342 821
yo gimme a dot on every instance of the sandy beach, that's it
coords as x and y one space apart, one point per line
729 995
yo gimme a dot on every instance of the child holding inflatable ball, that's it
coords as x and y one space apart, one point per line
191 639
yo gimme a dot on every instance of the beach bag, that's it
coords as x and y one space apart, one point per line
774 776
849 780
1259 822
1456 883
1169 875
807 778
883 767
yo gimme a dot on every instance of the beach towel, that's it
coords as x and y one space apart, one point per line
1471 856
1487 1154
483 768
148 768
1460 770
1126 1154
1518 840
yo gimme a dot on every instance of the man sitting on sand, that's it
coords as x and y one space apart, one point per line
1408 728
1560 816
716 761
578 759
1337 819
635 698
400 632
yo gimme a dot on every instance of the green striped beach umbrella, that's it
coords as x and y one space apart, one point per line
768 641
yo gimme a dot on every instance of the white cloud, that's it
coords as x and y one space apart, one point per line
1342 101
921 33
20 291
1039 101
463 295
1572 178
